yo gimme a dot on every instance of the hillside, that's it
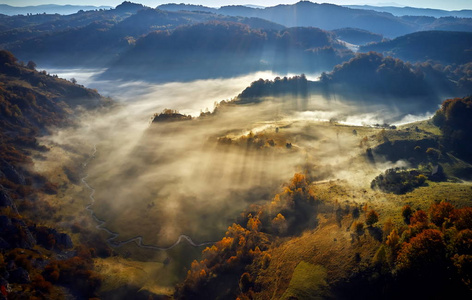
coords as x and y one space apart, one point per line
325 235
414 11
444 47
372 79
215 49
357 36
37 260
96 38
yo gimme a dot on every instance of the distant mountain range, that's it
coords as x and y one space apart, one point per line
47 8
135 40
330 17
71 9
414 11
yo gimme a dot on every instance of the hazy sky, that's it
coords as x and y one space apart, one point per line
442 4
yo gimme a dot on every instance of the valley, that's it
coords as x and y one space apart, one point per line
300 151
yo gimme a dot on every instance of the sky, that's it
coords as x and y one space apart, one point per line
441 4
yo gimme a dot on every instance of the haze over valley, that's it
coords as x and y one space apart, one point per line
295 151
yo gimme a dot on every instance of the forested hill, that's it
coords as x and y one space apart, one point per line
370 78
446 47
30 103
36 260
95 38
216 49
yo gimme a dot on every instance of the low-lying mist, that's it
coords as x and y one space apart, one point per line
162 180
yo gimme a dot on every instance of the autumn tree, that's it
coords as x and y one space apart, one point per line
441 212
253 223
419 218
423 252
393 244
372 218
279 224
463 218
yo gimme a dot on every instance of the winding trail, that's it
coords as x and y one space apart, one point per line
138 240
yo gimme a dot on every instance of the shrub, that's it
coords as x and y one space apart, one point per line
407 212
372 218
398 181
358 228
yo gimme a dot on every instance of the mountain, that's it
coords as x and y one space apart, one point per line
445 47
48 9
414 11
325 16
215 49
330 17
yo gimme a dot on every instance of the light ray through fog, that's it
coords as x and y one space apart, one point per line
175 179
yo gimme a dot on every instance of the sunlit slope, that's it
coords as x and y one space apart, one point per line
340 231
